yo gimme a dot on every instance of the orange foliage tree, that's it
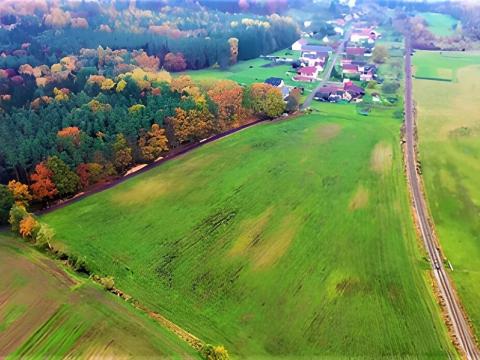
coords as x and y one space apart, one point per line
228 97
42 185
28 226
147 63
192 125
153 142
71 132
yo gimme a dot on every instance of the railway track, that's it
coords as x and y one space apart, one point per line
461 329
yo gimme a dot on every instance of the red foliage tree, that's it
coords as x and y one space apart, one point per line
174 62
42 184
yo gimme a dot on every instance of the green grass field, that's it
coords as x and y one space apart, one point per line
440 24
252 71
443 66
45 312
291 238
449 133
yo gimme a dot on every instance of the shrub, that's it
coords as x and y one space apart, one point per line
44 236
390 87
107 282
17 213
210 352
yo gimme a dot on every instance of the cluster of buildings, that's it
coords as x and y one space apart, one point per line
355 62
312 60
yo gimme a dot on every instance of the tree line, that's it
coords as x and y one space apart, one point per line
63 144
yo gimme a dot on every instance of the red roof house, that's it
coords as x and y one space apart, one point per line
350 69
355 51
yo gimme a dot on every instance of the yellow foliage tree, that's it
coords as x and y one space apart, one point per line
56 68
121 86
135 108
153 143
20 192
60 95
107 84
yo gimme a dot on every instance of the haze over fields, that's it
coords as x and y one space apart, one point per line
244 179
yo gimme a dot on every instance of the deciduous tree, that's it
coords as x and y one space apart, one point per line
20 192
65 180
380 54
153 142
174 62
28 226
123 153
43 186
228 97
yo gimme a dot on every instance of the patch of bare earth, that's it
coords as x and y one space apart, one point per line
360 199
381 159
276 244
326 132
253 231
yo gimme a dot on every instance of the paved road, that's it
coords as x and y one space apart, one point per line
460 325
328 72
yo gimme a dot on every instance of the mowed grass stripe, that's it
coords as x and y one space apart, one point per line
251 241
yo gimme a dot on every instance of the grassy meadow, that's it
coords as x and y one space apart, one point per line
440 24
442 66
291 238
449 133
252 71
45 310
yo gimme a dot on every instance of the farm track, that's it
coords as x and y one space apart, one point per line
462 333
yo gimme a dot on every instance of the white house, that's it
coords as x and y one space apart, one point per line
297 45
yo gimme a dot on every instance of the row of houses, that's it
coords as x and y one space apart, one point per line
347 91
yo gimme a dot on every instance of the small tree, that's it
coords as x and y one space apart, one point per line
380 54
17 214
20 192
390 87
123 153
28 227
44 236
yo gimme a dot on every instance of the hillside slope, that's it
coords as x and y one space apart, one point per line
289 238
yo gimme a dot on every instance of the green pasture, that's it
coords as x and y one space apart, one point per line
46 313
449 133
440 24
291 238
441 65
253 71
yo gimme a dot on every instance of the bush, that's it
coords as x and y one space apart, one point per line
78 264
44 236
107 282
390 87
17 213
210 352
